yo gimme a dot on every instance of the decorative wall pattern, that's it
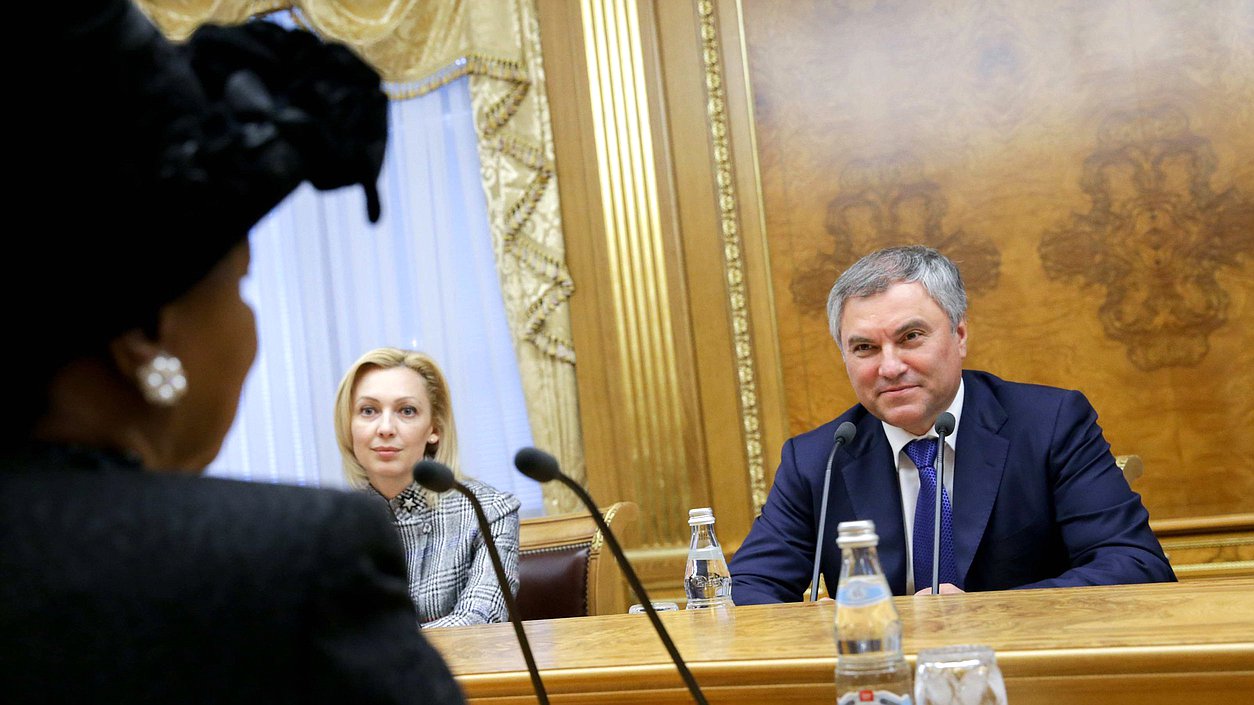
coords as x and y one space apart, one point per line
1089 164
887 201
1154 237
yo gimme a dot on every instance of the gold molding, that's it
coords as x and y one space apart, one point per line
636 251
1200 525
1216 542
598 538
733 251
1219 567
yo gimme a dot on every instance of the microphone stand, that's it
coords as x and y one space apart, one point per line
508 594
843 434
944 426
617 550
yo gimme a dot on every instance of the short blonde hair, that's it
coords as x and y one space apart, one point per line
444 450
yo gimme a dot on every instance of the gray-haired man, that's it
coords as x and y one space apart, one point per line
1034 498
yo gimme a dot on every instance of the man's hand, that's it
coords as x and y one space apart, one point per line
945 589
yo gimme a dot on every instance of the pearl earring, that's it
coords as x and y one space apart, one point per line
162 381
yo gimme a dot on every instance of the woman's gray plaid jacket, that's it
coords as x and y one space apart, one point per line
451 579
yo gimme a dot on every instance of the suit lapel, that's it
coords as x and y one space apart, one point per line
981 460
870 476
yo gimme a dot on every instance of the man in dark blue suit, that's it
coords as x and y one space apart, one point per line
1034 498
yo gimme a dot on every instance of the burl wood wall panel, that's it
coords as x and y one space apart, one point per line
1089 165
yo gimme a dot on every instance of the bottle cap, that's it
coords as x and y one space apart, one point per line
701 515
855 534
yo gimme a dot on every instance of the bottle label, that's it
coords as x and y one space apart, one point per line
860 593
709 582
874 697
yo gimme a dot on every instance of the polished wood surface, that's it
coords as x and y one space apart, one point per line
1144 643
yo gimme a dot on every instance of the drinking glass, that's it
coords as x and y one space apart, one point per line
958 675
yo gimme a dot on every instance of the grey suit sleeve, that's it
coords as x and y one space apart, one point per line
481 600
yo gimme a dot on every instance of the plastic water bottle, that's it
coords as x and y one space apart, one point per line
706 579
869 664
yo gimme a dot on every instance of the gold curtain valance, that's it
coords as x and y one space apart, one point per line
418 46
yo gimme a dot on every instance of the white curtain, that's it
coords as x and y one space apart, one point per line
327 286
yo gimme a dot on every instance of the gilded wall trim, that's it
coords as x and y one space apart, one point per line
1216 569
1218 542
644 346
733 251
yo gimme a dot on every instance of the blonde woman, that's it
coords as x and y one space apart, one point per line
392 410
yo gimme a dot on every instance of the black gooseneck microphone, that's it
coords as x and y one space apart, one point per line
944 427
844 433
542 467
437 477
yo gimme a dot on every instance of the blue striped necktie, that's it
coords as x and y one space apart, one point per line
923 452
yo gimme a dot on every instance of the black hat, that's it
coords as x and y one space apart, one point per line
150 160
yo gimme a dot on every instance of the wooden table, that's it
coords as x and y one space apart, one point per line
1176 642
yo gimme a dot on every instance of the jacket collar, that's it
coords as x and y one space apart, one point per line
870 471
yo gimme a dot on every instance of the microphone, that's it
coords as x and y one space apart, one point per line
944 427
542 467
844 433
437 477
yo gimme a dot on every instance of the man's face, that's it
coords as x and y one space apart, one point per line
903 360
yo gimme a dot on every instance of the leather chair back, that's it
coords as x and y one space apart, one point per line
562 570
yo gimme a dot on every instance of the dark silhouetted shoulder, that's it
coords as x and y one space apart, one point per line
127 586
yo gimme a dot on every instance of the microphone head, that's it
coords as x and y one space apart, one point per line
537 464
945 424
433 475
845 432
